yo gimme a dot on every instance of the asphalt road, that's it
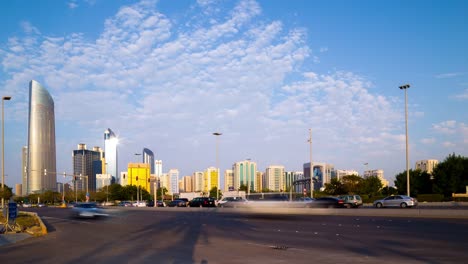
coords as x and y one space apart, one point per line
145 235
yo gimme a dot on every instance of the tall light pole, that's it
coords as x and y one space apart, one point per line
4 98
405 87
248 176
217 134
138 186
311 166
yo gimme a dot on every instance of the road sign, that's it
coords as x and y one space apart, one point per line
12 211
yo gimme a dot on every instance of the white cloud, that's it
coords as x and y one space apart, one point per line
463 95
323 49
428 141
449 75
166 86
446 127
72 5
448 144
28 28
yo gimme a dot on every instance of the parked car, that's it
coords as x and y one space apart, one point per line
139 204
125 204
88 210
202 202
402 201
326 202
232 202
177 203
351 200
161 203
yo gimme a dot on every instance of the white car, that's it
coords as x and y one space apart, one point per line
88 210
139 204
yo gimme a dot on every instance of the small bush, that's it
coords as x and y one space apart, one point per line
430 197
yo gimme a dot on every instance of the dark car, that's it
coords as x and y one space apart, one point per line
150 204
327 202
160 203
202 202
177 203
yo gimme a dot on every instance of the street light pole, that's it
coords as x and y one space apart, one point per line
217 134
311 166
405 87
4 98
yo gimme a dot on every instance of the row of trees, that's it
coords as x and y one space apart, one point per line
449 176
113 192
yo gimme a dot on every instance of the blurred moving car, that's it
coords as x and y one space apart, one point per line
351 200
177 203
202 202
41 205
326 202
232 202
402 201
88 210
27 205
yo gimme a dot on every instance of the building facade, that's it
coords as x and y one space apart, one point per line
110 154
148 157
24 166
244 174
174 181
377 173
210 179
41 141
426 165
197 181
341 173
322 174
158 167
139 175
87 164
229 180
274 178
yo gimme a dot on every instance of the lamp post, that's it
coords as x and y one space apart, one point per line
217 134
4 98
248 177
405 87
138 192
311 166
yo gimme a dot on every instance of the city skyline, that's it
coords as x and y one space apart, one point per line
165 76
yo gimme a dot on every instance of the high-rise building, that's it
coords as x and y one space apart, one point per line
158 168
210 179
41 141
24 165
173 181
197 181
139 175
110 153
322 173
187 184
87 164
259 181
103 180
18 189
274 178
148 157
228 180
426 165
244 174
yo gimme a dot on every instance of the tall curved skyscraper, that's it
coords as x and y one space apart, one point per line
148 157
41 141
110 153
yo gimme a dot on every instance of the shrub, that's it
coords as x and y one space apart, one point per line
430 197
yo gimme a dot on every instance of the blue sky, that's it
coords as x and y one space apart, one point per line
166 74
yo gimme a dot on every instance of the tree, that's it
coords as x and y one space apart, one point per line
335 187
243 187
6 193
420 182
451 176
371 186
352 183
387 191
213 192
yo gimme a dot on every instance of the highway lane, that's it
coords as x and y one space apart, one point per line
144 235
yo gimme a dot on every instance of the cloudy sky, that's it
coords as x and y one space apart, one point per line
167 74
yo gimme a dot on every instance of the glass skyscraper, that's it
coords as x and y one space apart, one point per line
41 158
148 158
110 153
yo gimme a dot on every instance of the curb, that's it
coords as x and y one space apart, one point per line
41 224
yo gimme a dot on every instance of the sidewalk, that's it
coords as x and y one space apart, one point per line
10 238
